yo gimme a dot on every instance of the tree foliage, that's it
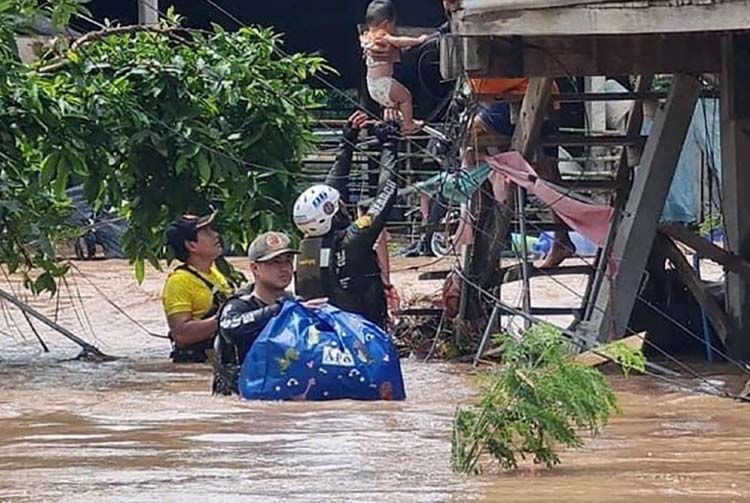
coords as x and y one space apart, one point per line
538 399
154 122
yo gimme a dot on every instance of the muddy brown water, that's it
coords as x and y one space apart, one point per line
141 429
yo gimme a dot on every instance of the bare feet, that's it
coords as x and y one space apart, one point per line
562 248
559 252
411 127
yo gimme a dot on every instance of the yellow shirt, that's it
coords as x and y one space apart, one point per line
184 293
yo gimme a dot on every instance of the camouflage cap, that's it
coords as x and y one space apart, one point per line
270 245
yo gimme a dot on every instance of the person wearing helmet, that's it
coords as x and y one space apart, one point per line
337 258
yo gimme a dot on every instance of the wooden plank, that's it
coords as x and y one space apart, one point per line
706 249
533 111
451 65
554 311
494 220
513 273
594 358
637 227
690 279
581 97
425 311
606 19
433 275
498 140
477 6
735 154
526 142
586 185
631 156
591 359
603 55
538 226
544 311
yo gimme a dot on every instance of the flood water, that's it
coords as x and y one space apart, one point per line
141 429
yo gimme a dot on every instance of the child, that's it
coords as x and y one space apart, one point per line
383 88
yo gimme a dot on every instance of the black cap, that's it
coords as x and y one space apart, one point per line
184 229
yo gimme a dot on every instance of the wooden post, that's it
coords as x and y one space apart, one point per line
495 218
637 228
735 154
459 55
148 11
533 110
706 249
693 283
525 141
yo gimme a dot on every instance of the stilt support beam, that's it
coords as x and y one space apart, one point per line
636 230
495 218
735 153
690 279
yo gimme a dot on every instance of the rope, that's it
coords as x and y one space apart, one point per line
26 317
116 307
75 310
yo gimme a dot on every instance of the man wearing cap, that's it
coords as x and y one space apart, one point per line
244 317
195 290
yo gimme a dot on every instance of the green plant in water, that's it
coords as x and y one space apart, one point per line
538 399
627 358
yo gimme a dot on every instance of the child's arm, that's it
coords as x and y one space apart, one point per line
404 42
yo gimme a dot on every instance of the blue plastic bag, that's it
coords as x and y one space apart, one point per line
322 354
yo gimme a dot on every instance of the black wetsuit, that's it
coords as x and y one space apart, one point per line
342 265
241 320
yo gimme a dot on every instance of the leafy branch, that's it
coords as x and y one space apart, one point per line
154 122
538 399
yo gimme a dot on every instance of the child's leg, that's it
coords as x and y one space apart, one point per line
402 97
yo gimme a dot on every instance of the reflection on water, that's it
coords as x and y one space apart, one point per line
141 429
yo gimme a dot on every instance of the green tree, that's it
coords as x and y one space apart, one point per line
156 122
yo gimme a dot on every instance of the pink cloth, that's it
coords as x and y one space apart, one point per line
591 220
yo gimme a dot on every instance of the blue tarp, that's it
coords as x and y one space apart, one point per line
321 354
702 144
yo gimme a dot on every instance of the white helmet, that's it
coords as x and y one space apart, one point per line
315 208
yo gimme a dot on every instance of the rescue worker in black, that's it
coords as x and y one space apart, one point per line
337 259
244 316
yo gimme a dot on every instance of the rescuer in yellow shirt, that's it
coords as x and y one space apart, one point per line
195 289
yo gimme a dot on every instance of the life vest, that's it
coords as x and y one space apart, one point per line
332 266
196 353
